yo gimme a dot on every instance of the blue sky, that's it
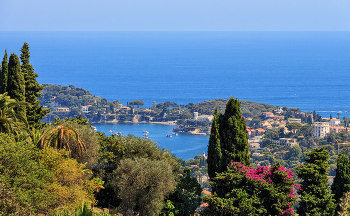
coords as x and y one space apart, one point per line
171 15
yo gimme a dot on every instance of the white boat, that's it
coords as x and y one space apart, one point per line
94 128
175 134
145 134
168 135
117 133
110 131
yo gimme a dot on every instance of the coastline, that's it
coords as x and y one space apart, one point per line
136 122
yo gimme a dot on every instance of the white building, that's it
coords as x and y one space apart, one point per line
333 122
320 129
85 109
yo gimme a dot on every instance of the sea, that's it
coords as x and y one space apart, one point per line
307 70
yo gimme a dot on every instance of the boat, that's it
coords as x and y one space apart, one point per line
175 134
117 133
168 135
145 134
94 128
110 131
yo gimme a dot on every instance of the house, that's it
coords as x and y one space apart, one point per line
288 141
278 117
204 117
259 132
337 129
62 109
254 145
295 120
320 129
268 114
85 109
333 122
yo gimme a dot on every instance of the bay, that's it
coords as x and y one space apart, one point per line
184 146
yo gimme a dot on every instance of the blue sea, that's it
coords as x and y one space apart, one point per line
308 70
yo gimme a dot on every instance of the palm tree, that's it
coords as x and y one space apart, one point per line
61 137
12 116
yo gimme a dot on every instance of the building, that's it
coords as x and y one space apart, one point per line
337 129
268 114
259 132
62 109
333 122
85 109
204 117
295 120
254 145
320 129
288 141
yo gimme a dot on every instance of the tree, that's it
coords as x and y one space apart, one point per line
137 103
34 111
233 135
315 197
186 197
60 137
293 127
12 118
15 82
341 183
214 148
4 74
229 139
143 184
243 190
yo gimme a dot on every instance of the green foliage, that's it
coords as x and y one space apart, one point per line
233 135
136 103
186 197
243 190
34 111
214 148
249 108
15 82
4 74
21 171
129 154
341 183
169 209
315 197
61 137
12 116
143 184
9 205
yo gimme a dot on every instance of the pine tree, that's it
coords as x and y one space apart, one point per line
315 197
15 82
233 135
341 183
35 112
214 148
4 74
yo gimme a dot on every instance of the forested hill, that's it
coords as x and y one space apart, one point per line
249 108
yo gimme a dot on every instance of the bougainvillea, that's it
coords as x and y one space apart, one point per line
244 190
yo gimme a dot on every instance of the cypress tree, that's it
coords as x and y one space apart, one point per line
4 74
214 148
35 112
315 197
233 135
341 183
228 139
15 82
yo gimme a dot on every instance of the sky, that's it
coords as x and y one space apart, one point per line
171 15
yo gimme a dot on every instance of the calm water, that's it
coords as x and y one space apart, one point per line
308 70
183 145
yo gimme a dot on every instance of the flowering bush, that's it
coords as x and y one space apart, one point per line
244 190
